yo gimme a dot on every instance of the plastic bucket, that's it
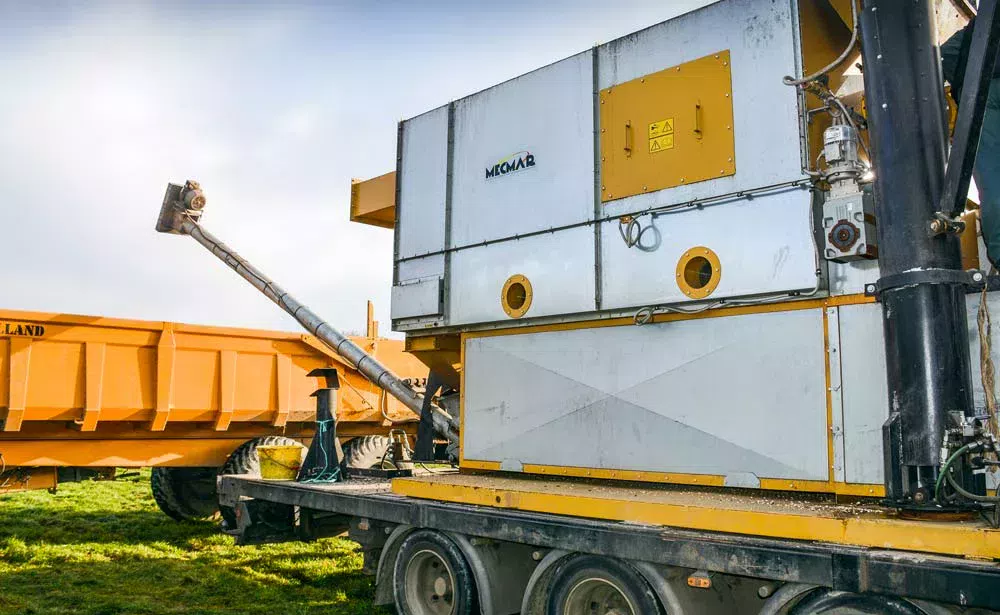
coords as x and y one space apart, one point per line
279 462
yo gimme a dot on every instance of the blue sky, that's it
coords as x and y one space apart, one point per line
273 107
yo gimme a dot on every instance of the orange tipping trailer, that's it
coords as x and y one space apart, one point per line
99 393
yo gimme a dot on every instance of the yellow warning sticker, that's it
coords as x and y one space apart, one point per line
663 127
660 144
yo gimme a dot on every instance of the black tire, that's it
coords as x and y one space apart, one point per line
366 451
604 574
185 494
428 553
827 601
163 494
244 461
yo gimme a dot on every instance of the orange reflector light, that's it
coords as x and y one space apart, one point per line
700 580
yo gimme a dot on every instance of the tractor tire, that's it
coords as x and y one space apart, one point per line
185 494
244 460
366 451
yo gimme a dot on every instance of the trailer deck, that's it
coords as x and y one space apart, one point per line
860 522
867 569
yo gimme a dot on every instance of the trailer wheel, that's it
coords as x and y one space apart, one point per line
431 577
185 494
829 602
591 585
366 451
244 461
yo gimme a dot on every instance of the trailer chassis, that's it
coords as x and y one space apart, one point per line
528 542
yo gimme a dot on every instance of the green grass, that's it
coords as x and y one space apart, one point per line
104 548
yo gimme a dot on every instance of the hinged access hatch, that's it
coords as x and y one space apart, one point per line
668 129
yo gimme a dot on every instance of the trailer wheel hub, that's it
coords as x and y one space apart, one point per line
429 584
596 596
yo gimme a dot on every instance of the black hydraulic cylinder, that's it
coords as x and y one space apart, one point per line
926 336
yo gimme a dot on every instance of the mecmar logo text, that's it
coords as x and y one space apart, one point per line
510 164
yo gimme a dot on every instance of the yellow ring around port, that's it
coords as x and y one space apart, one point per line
516 296
699 272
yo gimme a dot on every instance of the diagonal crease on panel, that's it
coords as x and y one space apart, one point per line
524 427
617 434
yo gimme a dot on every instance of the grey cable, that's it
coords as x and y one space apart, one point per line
789 80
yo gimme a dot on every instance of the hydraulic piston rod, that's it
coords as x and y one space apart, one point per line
181 211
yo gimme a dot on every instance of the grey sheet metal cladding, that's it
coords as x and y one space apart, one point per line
468 195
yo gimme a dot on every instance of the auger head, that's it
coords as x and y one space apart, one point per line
180 204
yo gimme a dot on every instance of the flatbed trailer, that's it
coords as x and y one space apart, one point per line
513 552
705 334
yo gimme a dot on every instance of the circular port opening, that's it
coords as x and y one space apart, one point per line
517 294
515 298
698 272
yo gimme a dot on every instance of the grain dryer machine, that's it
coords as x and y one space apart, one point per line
711 254
657 260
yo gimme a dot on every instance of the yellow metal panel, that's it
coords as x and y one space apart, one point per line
24 479
667 129
4 372
227 389
677 478
66 358
18 360
754 515
96 353
764 308
152 392
166 358
129 376
843 8
373 201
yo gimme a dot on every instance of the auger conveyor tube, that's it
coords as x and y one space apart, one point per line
351 352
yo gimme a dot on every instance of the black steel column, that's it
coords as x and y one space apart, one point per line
927 348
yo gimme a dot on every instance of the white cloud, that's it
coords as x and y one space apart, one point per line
273 110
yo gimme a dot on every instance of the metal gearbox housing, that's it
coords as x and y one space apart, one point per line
180 204
849 227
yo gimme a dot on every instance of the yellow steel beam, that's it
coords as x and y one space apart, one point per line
373 201
864 526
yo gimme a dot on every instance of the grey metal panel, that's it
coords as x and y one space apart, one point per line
737 395
865 394
836 392
549 113
764 245
422 183
761 37
560 268
851 278
416 299
429 266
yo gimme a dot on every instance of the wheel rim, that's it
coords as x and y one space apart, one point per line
597 596
430 585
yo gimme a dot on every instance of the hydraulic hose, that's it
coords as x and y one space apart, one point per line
968 494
